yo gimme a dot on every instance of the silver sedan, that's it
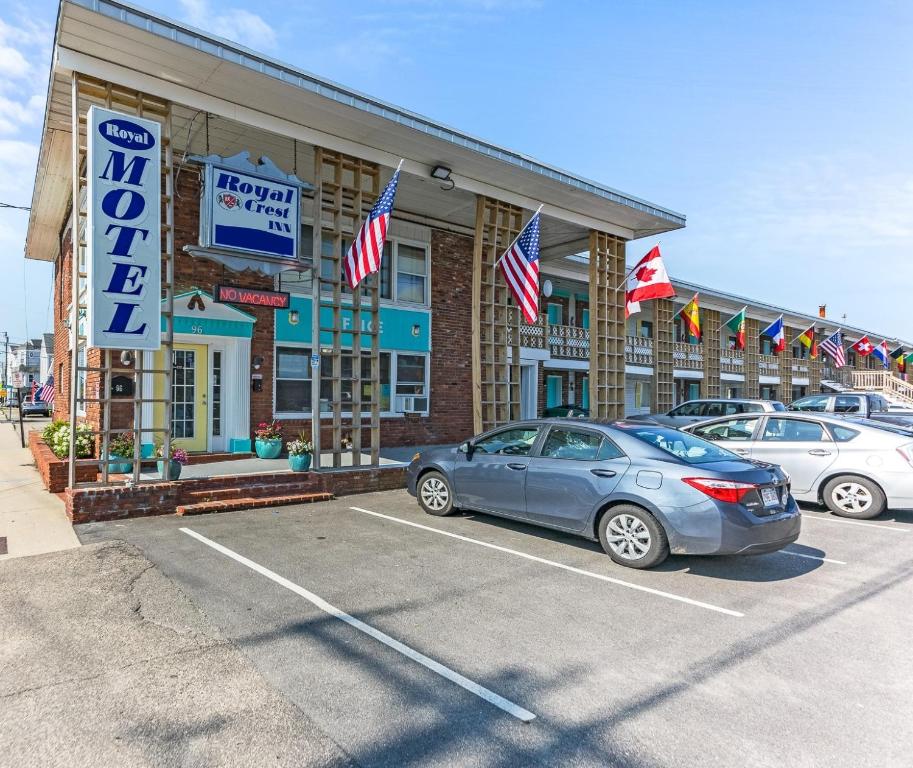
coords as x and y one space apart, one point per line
856 467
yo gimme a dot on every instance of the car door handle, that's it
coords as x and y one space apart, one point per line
819 452
604 472
516 465
741 451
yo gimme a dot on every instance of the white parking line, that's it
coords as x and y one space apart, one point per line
812 557
455 677
562 566
806 516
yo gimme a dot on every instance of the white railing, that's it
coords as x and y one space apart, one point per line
569 341
686 355
886 382
732 361
638 350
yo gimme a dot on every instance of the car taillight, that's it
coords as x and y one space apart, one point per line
907 452
721 490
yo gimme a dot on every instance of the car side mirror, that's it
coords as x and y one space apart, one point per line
467 448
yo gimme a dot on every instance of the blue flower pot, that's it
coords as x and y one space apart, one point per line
300 463
174 470
268 449
116 465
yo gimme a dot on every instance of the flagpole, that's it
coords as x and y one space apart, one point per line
513 242
743 309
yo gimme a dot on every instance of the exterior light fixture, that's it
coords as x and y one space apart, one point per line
416 329
547 288
293 317
258 362
442 173
126 357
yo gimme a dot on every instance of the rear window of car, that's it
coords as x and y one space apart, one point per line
847 404
684 446
842 434
752 407
817 403
778 406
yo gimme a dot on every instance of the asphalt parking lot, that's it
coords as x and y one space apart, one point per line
413 640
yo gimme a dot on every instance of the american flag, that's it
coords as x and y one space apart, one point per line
833 345
46 393
520 267
364 255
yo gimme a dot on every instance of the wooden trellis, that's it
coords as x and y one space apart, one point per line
345 190
663 382
786 362
752 350
814 374
607 326
495 318
710 331
99 366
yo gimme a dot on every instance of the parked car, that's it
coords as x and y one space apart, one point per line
694 411
32 407
868 405
856 467
12 400
642 490
567 409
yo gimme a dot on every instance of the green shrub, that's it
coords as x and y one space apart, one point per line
57 437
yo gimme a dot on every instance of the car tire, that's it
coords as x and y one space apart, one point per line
632 537
854 496
435 495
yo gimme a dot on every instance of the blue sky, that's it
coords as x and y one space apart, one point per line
782 130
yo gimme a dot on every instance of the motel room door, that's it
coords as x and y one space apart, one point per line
189 397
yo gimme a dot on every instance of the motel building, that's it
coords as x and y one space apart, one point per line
196 198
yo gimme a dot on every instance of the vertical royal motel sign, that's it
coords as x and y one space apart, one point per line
123 234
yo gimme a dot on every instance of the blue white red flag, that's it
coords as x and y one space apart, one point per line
520 266
776 334
881 352
367 249
46 391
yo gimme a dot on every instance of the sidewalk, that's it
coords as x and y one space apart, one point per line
32 521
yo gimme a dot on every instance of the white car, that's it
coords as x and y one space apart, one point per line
856 467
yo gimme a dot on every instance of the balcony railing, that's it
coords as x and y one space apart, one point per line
569 342
768 365
686 355
732 361
638 350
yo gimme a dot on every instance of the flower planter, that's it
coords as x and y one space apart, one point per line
174 470
300 463
116 465
268 449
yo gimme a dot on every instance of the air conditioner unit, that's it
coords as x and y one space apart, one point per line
411 404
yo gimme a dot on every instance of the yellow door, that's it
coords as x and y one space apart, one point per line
189 409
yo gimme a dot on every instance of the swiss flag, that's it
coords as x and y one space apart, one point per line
864 346
648 280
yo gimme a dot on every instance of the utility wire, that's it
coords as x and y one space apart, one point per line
16 207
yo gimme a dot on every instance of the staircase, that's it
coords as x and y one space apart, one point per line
232 494
893 388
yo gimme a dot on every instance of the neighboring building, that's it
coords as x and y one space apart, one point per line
46 361
441 352
23 363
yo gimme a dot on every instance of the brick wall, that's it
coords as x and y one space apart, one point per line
55 472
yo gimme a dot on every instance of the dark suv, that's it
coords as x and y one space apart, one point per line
868 405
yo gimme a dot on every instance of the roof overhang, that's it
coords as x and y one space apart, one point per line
122 43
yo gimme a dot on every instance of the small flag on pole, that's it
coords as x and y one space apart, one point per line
833 346
364 255
648 280
776 334
864 346
807 340
691 315
520 266
46 392
736 324
881 352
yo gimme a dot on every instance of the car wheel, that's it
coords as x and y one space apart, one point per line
851 496
632 537
435 495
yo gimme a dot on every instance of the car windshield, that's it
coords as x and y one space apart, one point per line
682 445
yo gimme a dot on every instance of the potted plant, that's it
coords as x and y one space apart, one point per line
268 442
299 454
120 447
178 459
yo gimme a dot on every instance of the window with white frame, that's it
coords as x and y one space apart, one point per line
408 261
81 381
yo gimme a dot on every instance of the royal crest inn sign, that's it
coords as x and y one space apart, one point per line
123 237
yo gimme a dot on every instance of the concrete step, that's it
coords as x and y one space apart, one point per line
250 502
248 491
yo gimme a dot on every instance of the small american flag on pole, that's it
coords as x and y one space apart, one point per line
364 255
46 392
833 346
520 266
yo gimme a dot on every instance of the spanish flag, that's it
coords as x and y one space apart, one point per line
807 340
691 315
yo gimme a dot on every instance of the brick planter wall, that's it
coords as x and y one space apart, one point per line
85 505
54 471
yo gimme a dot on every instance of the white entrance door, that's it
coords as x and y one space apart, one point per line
528 391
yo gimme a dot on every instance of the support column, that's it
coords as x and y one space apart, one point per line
663 383
607 326
752 350
495 318
710 338
787 361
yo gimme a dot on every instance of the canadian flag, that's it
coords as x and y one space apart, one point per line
864 346
648 280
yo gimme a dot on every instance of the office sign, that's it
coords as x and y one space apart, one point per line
231 294
252 212
123 231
